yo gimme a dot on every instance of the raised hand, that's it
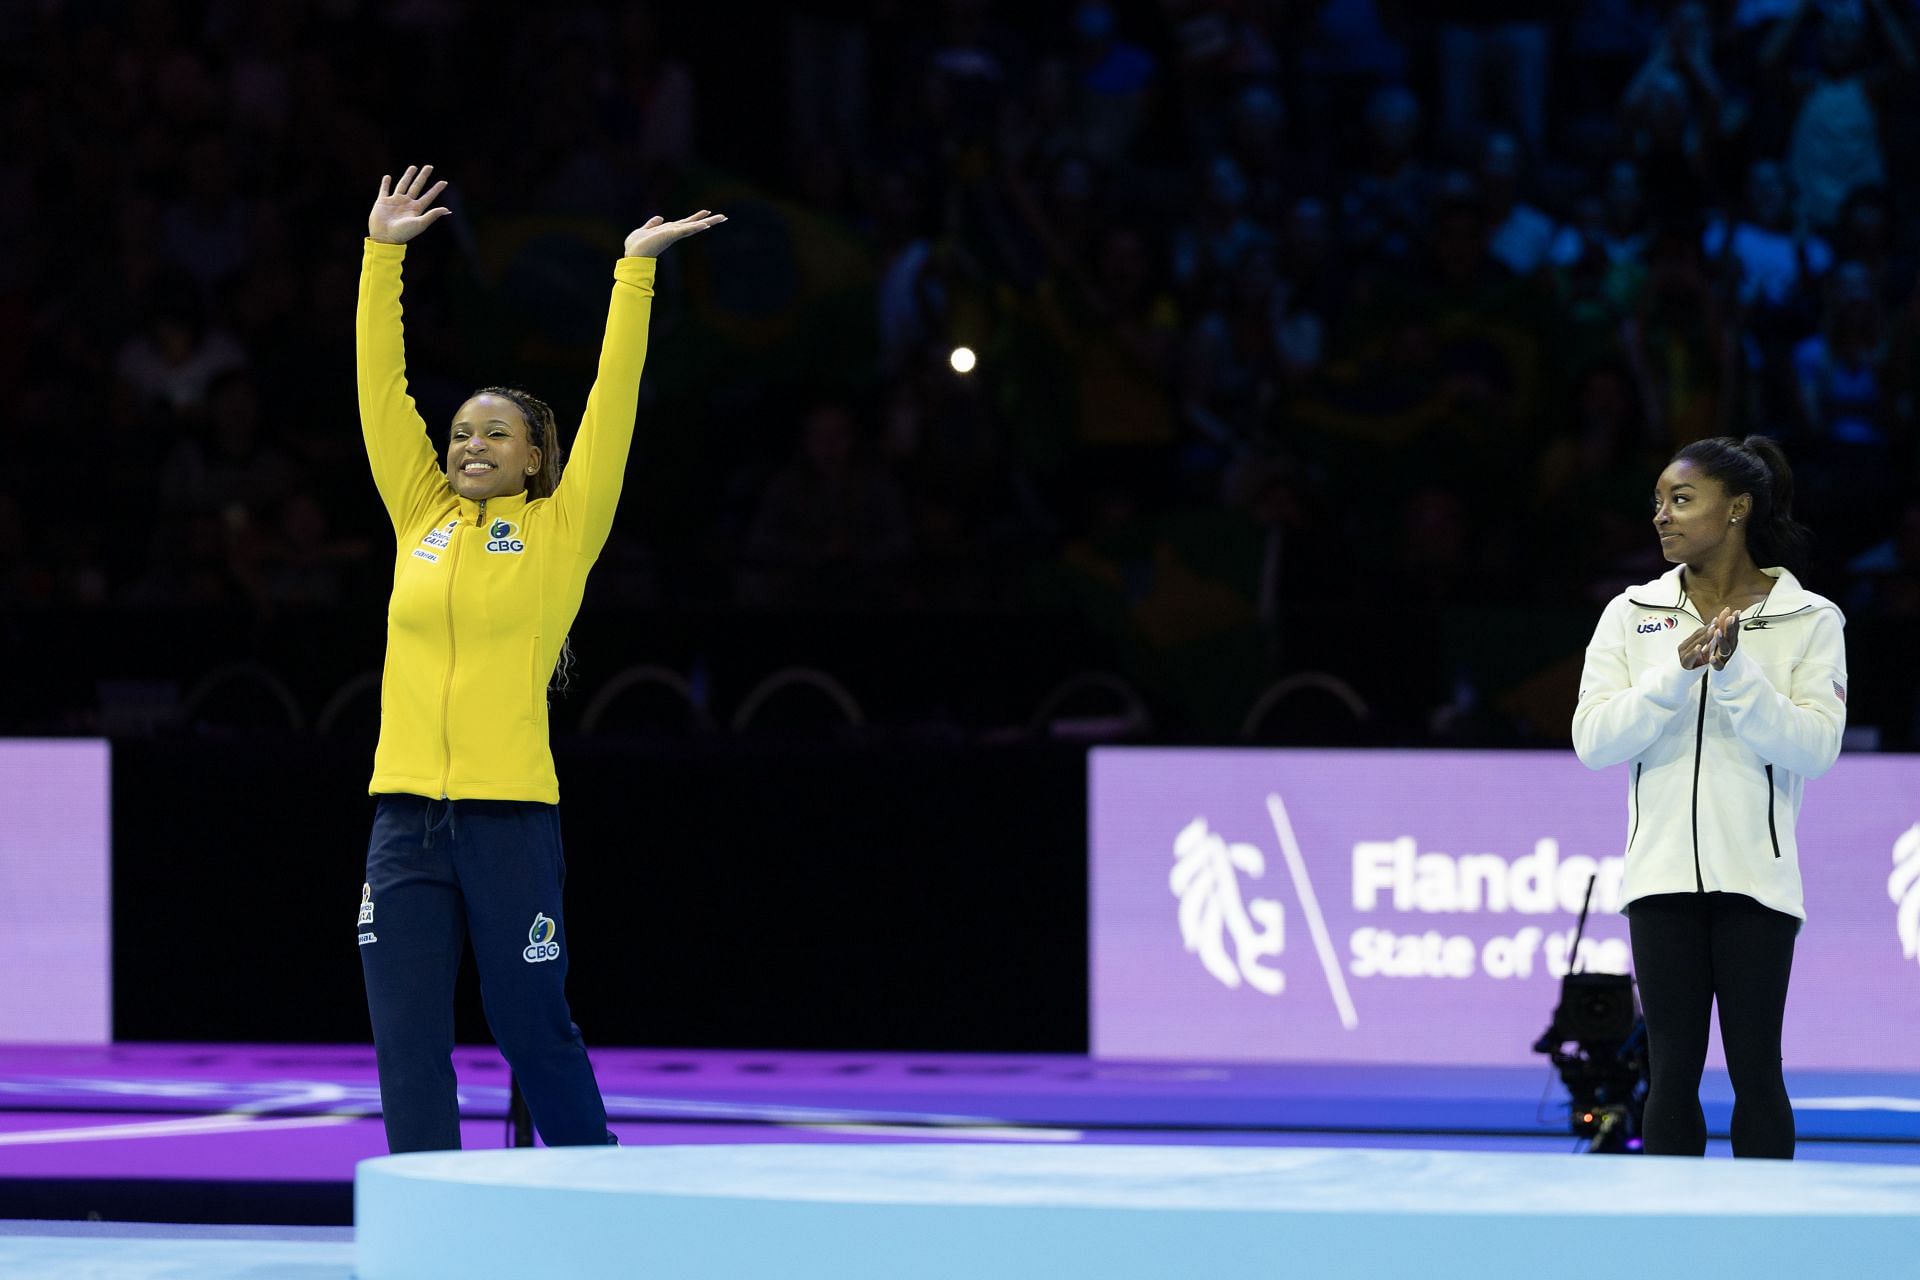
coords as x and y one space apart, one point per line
652 239
404 211
1695 650
1726 637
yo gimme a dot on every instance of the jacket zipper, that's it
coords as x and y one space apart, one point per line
1772 833
446 690
1699 748
1634 834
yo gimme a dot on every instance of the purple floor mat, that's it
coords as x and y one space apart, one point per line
294 1113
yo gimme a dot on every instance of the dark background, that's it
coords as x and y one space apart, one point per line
1328 350
862 898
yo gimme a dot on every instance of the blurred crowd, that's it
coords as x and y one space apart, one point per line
1270 307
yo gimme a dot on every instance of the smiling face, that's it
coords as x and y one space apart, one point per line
488 453
1694 515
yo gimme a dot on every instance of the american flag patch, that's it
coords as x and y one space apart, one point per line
1839 691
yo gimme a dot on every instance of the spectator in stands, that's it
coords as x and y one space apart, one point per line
305 562
235 466
1384 213
1608 236
1209 250
1234 365
1886 576
1258 146
1492 48
1592 481
1775 255
1521 235
1115 80
1679 113
206 230
832 529
1680 342
1846 421
1866 233
1836 143
1839 367
177 354
1314 282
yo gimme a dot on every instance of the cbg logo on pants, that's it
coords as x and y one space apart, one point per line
540 943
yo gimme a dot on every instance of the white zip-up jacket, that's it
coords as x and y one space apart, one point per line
1718 759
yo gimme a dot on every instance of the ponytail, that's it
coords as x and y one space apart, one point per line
1777 538
1757 466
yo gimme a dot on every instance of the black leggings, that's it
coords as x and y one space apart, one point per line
1688 950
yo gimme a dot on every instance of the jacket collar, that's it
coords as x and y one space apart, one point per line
507 506
1666 592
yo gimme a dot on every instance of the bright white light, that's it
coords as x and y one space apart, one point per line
962 360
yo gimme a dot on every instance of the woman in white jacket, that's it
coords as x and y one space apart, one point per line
1723 686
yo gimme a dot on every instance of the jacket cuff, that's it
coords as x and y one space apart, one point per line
635 270
381 249
1667 686
1735 680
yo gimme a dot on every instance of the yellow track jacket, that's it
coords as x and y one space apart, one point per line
484 592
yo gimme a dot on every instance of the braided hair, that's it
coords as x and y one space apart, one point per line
543 434
1757 467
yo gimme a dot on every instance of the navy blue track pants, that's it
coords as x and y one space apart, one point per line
438 873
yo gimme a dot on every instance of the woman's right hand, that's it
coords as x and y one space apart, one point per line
1697 649
403 212
1712 643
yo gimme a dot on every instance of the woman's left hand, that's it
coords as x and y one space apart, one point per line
651 240
1726 638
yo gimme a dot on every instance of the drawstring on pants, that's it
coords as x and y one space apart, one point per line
444 822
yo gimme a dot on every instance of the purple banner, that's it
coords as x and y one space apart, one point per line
1418 906
54 889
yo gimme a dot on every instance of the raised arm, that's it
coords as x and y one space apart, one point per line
404 468
589 488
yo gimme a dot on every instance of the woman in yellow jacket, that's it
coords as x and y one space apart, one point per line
493 545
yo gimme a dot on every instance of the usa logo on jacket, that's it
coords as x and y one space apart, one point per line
1652 625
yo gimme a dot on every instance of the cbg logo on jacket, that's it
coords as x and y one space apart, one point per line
501 538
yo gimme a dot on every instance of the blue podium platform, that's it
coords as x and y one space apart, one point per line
1118 1212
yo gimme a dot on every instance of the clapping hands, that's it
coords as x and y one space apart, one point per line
1713 643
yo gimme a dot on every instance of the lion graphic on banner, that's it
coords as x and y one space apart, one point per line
1206 878
1903 886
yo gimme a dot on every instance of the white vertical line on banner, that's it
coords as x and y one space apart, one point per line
1303 885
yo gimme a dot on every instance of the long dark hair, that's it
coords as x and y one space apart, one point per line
542 433
1757 466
